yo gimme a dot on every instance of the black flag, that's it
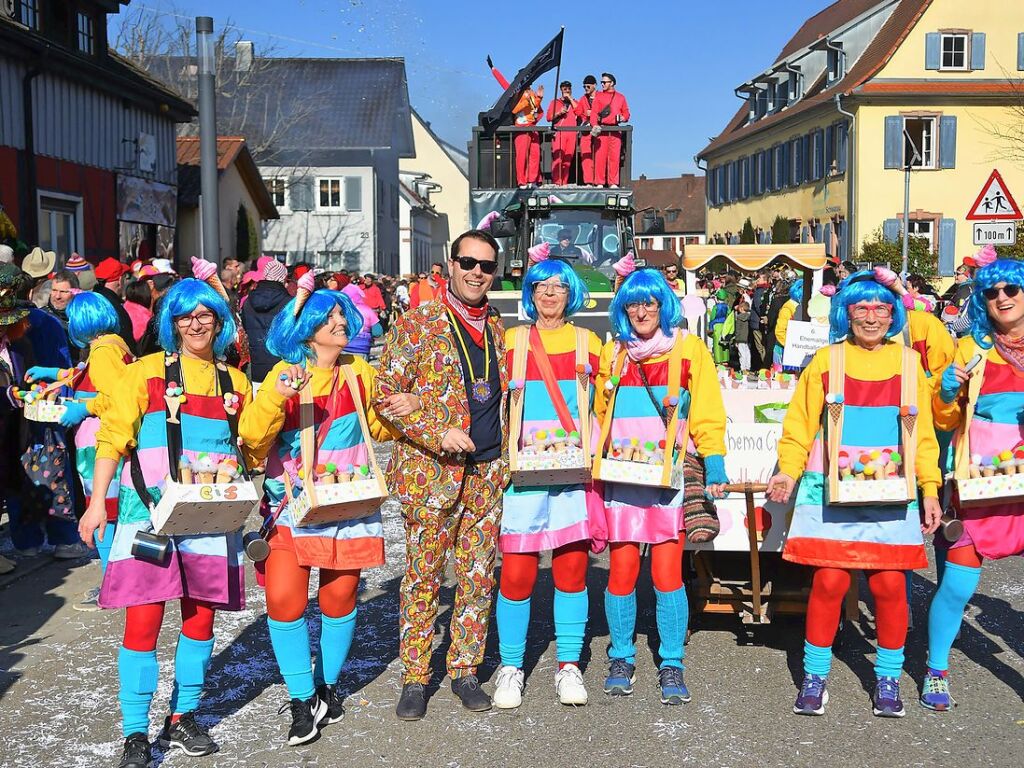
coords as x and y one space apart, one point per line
549 57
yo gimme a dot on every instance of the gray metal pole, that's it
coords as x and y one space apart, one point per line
208 138
906 221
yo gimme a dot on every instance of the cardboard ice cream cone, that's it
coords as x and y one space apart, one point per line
185 472
173 405
227 471
205 478
975 471
988 471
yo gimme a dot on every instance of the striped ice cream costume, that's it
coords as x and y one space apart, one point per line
638 513
537 519
874 536
205 567
346 545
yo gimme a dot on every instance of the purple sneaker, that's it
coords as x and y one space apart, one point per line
813 696
887 701
935 692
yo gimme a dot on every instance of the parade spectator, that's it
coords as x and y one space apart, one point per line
83 270
38 265
449 353
359 344
742 333
110 281
372 295
671 272
138 303
608 110
584 111
402 296
262 303
919 287
428 287
562 114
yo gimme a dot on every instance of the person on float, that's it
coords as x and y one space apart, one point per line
528 109
786 313
996 530
562 114
645 317
882 540
584 112
93 324
550 518
608 111
203 572
310 335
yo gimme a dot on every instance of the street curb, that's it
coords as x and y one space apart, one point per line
30 565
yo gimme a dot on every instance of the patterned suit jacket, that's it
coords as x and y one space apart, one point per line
421 357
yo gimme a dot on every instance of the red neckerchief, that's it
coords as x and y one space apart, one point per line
473 319
1012 350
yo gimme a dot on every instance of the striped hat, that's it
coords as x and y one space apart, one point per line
275 271
77 264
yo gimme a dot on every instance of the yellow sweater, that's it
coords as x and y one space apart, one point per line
556 342
786 313
927 331
106 370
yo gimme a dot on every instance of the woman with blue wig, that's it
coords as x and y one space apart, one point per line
886 540
189 393
645 315
549 518
786 313
996 530
310 334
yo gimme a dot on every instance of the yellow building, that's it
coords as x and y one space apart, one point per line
824 133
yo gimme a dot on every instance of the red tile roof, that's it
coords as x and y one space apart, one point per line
943 87
834 16
685 193
228 148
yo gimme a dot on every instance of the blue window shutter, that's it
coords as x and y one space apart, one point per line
1020 50
932 50
709 186
829 148
805 234
746 177
798 162
827 238
786 179
819 154
947 142
806 142
842 228
893 140
891 230
843 145
734 187
978 50
816 232
947 247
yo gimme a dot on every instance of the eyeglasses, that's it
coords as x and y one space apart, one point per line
551 289
648 306
203 318
1009 291
468 264
881 311
671 269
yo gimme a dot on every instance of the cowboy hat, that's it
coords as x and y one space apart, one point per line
39 263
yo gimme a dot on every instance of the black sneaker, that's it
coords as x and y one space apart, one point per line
331 696
136 752
306 716
188 736
469 692
412 704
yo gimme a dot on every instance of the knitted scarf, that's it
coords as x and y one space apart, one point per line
473 319
1012 350
644 349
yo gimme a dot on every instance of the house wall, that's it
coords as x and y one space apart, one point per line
232 190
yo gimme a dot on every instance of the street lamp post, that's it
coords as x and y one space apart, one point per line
909 160
205 46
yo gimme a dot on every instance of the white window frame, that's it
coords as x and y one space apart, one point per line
28 14
835 63
929 149
931 235
85 33
274 180
70 205
340 181
951 36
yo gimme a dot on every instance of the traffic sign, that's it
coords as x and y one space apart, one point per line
994 232
994 203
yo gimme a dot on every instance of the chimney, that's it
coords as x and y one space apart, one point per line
243 56
643 177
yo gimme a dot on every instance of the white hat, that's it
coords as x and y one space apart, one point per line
162 266
6 254
39 263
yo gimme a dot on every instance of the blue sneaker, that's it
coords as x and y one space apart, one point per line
621 676
935 692
886 701
813 696
673 687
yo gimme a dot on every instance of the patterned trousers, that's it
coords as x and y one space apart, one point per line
470 528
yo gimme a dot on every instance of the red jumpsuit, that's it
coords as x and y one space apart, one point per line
527 144
563 145
583 110
608 146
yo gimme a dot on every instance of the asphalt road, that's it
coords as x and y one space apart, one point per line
58 688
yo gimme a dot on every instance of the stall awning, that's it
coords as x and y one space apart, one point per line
754 257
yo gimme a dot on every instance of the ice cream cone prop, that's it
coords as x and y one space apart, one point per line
204 468
304 288
583 374
323 476
345 475
908 415
184 471
207 272
835 408
174 396
987 469
624 267
227 470
231 402
1007 464
558 442
515 389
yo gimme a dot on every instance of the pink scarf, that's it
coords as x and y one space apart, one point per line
644 349
473 319
1012 350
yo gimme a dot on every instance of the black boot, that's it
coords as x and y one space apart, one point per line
136 752
412 705
472 696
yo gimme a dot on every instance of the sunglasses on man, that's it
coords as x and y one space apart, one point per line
991 294
468 263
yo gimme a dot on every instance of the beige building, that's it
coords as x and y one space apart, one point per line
239 184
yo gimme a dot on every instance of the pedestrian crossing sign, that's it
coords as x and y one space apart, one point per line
995 203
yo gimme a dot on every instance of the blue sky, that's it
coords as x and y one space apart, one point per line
676 62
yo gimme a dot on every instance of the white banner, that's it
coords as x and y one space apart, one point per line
803 339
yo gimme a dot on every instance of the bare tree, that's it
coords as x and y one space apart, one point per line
1007 132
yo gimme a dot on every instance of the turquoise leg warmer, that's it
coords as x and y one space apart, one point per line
290 640
571 612
335 642
138 672
947 611
889 662
620 611
103 547
191 661
817 660
673 613
513 618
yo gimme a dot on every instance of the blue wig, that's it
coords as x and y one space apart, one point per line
1009 271
644 285
554 268
289 336
796 291
89 317
858 287
182 299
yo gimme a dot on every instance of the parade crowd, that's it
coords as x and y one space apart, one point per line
234 371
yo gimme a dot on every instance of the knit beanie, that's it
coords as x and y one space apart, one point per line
275 271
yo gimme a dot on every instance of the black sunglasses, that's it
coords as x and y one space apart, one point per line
1008 290
467 263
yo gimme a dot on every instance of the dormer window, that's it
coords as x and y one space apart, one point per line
794 86
28 14
762 102
86 39
835 62
954 51
781 94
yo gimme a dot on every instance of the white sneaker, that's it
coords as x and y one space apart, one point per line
89 601
27 552
569 686
508 690
6 565
70 551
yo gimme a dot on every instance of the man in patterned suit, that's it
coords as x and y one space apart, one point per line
448 468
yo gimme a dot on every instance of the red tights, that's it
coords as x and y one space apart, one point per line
967 556
288 588
830 587
666 566
568 569
142 623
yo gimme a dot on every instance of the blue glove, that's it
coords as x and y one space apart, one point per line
41 373
75 414
714 470
377 330
950 386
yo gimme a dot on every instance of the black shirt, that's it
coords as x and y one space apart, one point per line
484 418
